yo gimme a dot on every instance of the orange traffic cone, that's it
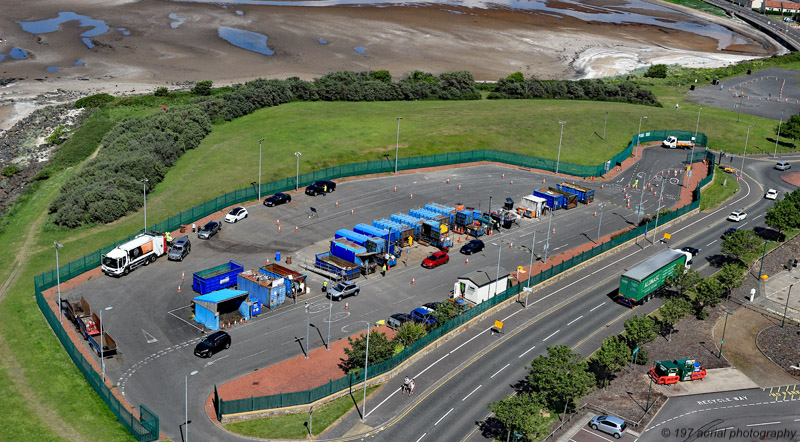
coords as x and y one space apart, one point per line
554 230
412 196
395 188
595 213
628 205
448 181
602 186
467 262
511 183
352 211
267 261
412 281
459 239
296 228
346 306
179 288
277 222
504 175
459 187
279 229
542 180
181 276
337 203
511 246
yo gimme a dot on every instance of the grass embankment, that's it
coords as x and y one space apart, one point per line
700 6
722 187
295 426
327 134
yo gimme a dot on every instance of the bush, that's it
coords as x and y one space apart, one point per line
92 101
161 92
656 71
10 171
202 87
641 357
588 89
58 136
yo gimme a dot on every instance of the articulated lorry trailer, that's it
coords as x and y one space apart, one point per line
641 283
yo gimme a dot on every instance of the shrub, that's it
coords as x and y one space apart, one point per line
92 101
656 71
58 136
10 171
161 92
202 87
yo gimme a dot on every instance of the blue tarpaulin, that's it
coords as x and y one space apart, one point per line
206 306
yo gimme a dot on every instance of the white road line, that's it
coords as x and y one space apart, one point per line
470 340
470 393
376 407
526 352
551 335
598 306
498 371
765 423
429 367
796 420
420 438
571 322
596 435
712 242
440 419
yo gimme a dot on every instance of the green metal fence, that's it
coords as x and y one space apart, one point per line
146 427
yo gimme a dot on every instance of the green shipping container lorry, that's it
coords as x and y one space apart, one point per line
640 283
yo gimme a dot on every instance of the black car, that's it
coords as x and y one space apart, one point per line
396 320
210 229
693 250
473 246
320 187
213 343
278 199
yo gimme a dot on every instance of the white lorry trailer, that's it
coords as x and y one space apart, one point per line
139 251
673 142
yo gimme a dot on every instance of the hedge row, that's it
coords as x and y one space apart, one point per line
588 89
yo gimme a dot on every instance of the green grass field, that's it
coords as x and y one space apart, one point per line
722 188
50 398
700 6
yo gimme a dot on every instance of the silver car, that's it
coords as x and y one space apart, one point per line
608 424
180 248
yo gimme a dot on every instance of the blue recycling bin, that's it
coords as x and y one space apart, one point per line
277 256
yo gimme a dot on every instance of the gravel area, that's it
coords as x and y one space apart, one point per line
782 346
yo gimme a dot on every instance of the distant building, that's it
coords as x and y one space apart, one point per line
752 4
782 7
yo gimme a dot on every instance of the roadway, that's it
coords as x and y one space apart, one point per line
771 25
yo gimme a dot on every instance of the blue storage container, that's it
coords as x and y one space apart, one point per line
410 221
371 231
351 236
465 217
554 200
346 250
423 214
396 231
216 278
449 212
270 292
376 245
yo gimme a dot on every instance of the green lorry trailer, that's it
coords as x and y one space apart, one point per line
641 283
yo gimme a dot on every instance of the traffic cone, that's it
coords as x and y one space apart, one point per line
467 262
511 183
602 186
267 261
352 211
277 222
504 175
179 288
346 306
412 196
459 239
511 246
296 228
279 229
542 180
554 230
448 181
337 203
181 276
595 213
395 188
629 205
459 187
412 281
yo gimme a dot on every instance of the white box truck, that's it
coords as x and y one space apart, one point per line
673 142
139 251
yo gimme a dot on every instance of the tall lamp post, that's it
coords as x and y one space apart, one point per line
694 142
186 395
763 254
260 140
723 334
330 315
366 363
746 139
775 154
549 229
497 278
530 269
102 343
786 307
600 222
397 145
641 201
560 138
638 135
658 210
297 179
144 196
58 279
308 326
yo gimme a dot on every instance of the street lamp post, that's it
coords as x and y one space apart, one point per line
641 201
397 145
260 140
530 269
330 315
723 334
604 125
747 138
549 229
786 307
308 325
561 137
763 254
638 135
658 210
186 396
775 154
600 222
102 343
366 363
297 176
58 280
144 196
497 278
696 128
741 99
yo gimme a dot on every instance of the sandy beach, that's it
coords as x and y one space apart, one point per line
154 43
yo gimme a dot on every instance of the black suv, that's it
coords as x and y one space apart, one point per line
278 199
473 246
210 229
319 187
180 249
213 343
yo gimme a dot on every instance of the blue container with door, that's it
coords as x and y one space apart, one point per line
351 236
347 250
371 231
410 221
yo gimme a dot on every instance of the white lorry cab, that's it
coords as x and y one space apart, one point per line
673 142
142 250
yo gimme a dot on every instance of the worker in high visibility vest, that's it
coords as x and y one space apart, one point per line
169 238
325 286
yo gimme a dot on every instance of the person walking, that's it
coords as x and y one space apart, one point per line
411 387
194 227
405 384
383 270
325 286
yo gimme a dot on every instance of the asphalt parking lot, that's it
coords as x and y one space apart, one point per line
149 320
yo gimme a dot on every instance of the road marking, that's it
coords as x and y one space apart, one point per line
440 419
598 306
551 335
149 338
526 352
420 438
757 217
712 242
571 322
596 435
765 423
498 371
429 367
470 393
215 361
470 340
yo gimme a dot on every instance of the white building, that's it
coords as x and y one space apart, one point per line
480 285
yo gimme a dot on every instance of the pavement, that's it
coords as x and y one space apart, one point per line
716 380
774 293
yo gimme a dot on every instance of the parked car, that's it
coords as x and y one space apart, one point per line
729 232
212 344
210 229
608 424
343 290
473 246
278 199
432 305
423 315
435 260
180 249
771 194
396 320
737 215
319 187
236 214
783 165
728 169
693 250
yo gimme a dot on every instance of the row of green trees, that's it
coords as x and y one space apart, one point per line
516 87
109 187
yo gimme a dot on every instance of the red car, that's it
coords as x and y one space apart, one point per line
435 260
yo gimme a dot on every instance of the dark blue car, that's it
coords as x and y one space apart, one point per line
423 315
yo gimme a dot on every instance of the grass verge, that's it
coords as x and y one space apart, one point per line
700 6
295 426
722 188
